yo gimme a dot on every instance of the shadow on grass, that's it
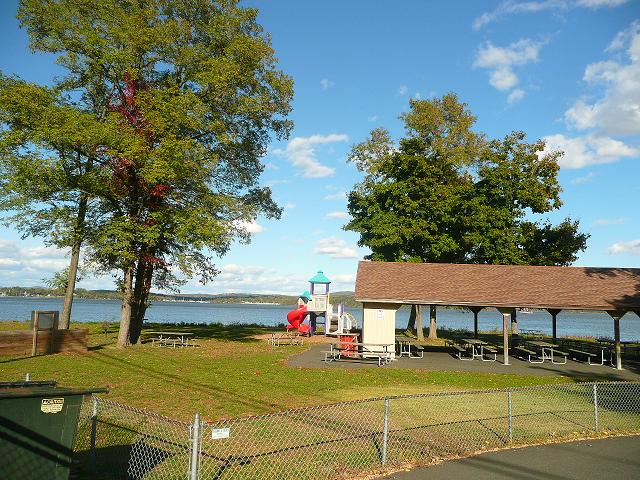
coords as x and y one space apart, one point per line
183 382
216 331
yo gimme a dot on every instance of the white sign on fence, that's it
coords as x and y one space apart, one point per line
218 433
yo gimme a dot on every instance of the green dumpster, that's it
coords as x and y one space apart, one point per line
38 422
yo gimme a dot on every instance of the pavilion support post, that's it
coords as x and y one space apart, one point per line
506 319
617 315
554 314
514 323
476 311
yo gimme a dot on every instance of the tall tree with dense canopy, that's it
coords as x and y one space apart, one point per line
446 194
193 91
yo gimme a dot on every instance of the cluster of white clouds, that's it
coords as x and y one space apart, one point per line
301 152
251 227
234 278
336 247
631 247
511 7
610 221
29 265
500 61
606 122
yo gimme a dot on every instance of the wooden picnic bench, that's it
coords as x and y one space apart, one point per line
521 351
458 350
582 353
286 338
406 345
362 351
173 339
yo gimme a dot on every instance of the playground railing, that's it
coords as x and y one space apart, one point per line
350 438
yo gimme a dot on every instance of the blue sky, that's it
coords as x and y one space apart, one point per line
566 71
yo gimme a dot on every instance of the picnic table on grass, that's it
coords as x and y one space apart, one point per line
364 351
174 339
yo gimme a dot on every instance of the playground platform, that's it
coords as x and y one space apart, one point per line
444 361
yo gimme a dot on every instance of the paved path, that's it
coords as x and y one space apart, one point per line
611 458
442 361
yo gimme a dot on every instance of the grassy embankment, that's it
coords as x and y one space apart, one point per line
233 373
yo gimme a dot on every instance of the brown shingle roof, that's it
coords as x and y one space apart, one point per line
500 285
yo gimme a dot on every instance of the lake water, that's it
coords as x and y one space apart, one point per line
594 324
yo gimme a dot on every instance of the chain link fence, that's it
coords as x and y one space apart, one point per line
350 438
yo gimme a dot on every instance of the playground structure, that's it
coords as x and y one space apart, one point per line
316 304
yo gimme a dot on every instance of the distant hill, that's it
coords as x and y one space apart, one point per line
345 297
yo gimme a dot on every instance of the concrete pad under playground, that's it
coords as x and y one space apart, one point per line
617 457
443 361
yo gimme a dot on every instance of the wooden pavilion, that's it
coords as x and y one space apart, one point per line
382 287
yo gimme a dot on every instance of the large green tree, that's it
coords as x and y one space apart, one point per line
446 194
193 91
48 170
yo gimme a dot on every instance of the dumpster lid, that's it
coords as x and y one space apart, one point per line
43 389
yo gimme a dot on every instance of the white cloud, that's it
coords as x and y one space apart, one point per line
617 111
610 221
503 79
335 248
515 96
337 215
403 90
326 84
342 195
289 206
632 247
251 227
583 179
510 7
601 3
373 118
500 61
587 150
300 151
28 265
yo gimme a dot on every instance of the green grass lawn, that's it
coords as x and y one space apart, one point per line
231 374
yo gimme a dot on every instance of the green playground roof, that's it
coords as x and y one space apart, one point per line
306 295
319 278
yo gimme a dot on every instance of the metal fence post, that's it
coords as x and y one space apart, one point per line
510 416
94 433
385 431
195 449
595 406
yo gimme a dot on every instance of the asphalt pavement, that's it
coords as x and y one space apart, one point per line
604 459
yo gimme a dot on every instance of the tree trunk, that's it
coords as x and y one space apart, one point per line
433 322
78 233
144 274
127 308
411 324
419 330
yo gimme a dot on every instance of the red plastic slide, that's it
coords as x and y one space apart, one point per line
295 319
